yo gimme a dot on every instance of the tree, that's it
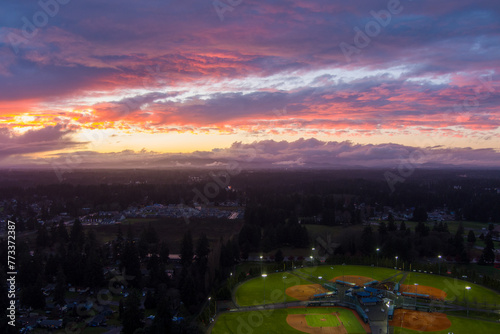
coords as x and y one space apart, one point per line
42 237
391 226
402 226
471 237
382 230
76 236
163 319
32 296
419 214
60 288
367 242
488 255
131 263
94 276
278 256
62 233
132 315
149 301
187 249
121 309
202 248
422 229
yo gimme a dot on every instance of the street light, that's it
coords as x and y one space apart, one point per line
467 288
209 298
439 261
378 249
261 264
396 263
264 277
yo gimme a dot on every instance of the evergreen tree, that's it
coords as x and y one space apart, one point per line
60 288
278 256
131 263
132 315
187 249
164 252
42 237
402 226
488 255
62 233
367 242
471 237
163 319
149 301
419 214
77 236
382 230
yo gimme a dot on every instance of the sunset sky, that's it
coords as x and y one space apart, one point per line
295 83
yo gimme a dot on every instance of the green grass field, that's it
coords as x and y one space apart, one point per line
274 321
252 292
327 273
460 326
322 320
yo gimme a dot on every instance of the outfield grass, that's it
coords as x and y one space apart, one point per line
460 326
327 273
274 321
252 292
455 288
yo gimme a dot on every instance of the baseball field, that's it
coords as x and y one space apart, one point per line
304 283
279 286
412 322
314 320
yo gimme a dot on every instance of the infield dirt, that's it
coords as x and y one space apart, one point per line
304 292
358 280
420 321
434 293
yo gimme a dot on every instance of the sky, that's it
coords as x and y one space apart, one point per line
295 83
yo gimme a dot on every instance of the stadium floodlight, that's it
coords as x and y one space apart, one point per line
264 277
468 289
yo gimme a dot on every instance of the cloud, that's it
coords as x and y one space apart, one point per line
47 139
163 66
303 153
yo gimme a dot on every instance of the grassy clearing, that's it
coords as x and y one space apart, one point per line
172 230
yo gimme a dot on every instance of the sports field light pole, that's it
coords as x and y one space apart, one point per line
416 291
378 249
284 293
439 261
396 263
209 314
261 264
467 288
264 277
